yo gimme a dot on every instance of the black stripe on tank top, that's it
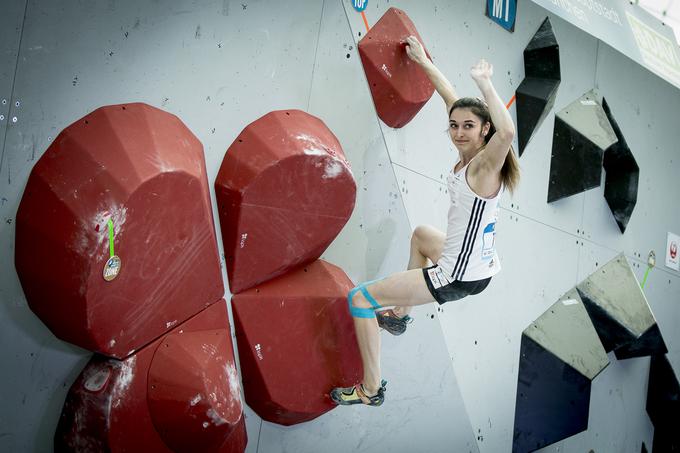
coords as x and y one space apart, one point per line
478 222
459 260
466 240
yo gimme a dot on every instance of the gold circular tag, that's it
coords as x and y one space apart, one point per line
112 268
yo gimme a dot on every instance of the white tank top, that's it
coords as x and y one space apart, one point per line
469 251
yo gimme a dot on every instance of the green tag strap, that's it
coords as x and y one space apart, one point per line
644 280
110 224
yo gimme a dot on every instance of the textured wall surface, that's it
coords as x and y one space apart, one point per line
219 65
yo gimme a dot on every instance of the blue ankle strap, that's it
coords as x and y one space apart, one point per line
359 312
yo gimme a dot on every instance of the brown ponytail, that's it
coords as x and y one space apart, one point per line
510 173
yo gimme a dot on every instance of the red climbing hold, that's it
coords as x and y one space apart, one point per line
284 191
198 368
178 394
296 341
115 242
399 86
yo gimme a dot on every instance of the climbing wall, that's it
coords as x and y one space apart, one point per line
219 65
545 248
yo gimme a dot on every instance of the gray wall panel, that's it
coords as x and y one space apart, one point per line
11 23
186 57
30 381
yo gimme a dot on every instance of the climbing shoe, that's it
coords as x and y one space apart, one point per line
392 323
345 396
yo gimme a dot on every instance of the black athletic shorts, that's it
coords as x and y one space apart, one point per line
447 292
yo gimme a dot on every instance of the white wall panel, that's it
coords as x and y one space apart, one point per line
426 200
618 421
577 65
646 110
378 231
483 332
446 28
662 290
375 243
540 244
423 409
618 418
398 429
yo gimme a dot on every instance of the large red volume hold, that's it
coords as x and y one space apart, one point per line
193 405
198 368
127 180
399 86
296 341
284 191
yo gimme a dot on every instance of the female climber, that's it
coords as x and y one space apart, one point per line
464 259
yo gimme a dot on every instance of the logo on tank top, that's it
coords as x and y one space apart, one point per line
488 240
